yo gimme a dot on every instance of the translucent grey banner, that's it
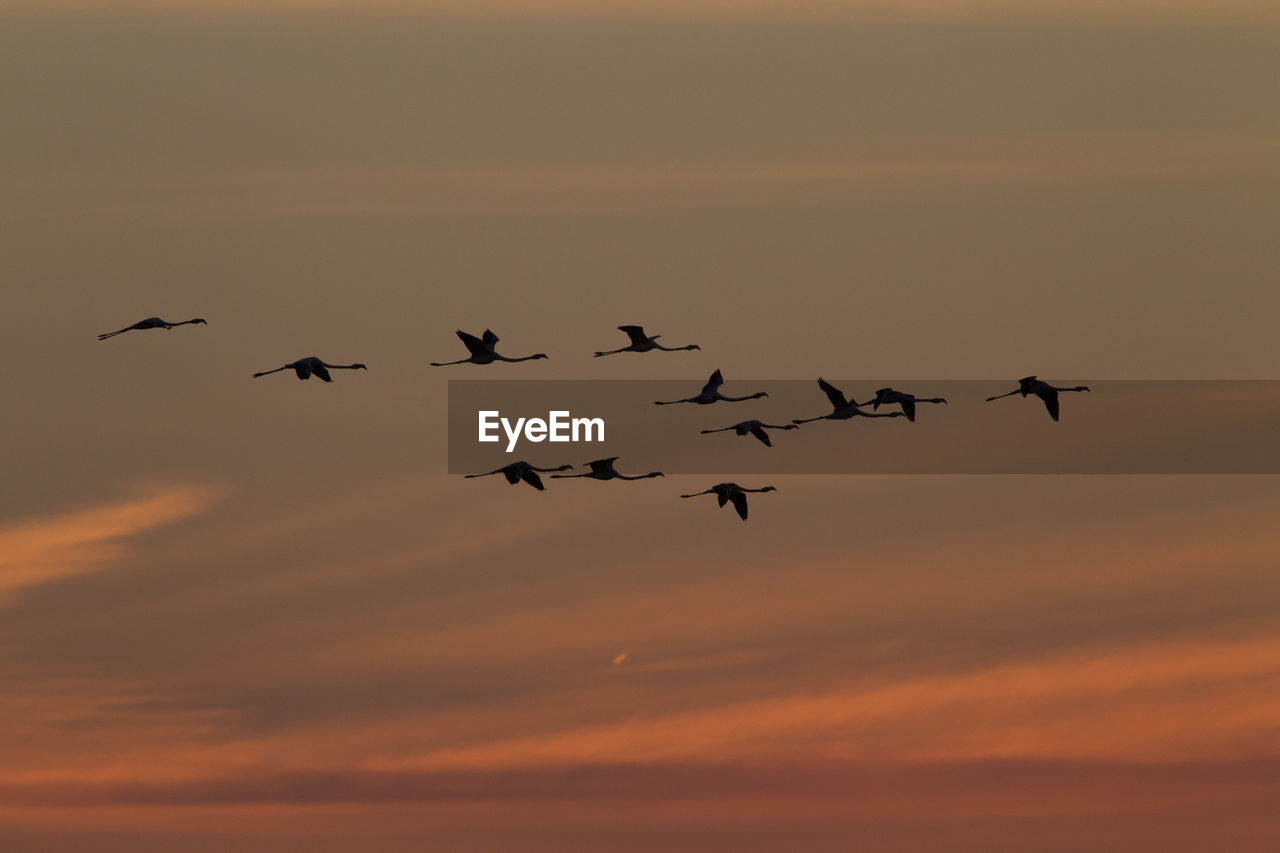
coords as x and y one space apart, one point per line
1117 427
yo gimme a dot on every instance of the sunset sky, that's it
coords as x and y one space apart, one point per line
257 614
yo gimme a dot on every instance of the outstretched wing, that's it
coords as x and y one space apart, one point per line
909 408
740 504
531 477
1050 397
636 333
714 383
759 433
473 344
322 372
512 473
303 369
490 338
602 466
834 394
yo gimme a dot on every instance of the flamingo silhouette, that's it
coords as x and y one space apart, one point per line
640 342
710 393
151 323
304 367
753 427
1046 392
517 471
482 350
888 396
726 492
602 469
841 408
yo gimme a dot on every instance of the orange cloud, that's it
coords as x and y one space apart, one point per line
37 550
1150 702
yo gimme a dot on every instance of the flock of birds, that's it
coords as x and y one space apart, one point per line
483 351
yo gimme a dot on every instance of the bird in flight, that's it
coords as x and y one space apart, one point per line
602 469
640 342
841 407
888 396
482 350
304 367
1046 392
726 492
753 427
151 323
710 393
517 471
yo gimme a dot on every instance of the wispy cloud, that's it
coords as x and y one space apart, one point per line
1003 786
736 696
1218 700
37 550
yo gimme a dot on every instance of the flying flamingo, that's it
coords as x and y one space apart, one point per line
151 323
842 408
753 427
726 492
1043 390
888 396
304 367
602 469
710 393
640 342
482 351
517 471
